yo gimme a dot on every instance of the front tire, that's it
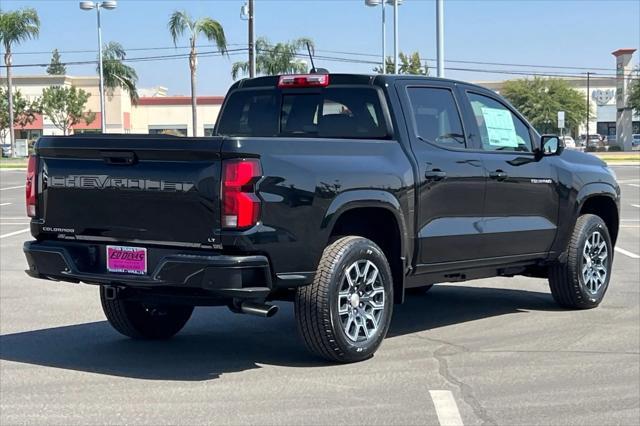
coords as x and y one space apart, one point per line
582 280
345 313
144 321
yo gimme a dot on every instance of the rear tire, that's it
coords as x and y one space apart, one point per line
345 313
141 321
583 279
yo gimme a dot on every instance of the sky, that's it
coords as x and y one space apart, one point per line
564 33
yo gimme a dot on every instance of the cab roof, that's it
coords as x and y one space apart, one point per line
344 79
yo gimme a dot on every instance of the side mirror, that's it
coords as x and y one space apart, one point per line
551 145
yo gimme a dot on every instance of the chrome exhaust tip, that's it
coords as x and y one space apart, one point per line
258 309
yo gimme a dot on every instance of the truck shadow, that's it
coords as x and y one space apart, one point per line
216 342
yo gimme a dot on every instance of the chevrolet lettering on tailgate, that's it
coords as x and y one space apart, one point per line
109 182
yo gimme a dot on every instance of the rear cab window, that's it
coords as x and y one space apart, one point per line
347 112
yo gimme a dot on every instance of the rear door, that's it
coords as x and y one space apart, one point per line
521 203
451 181
139 189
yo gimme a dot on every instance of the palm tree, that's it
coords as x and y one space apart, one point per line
16 27
281 58
181 21
117 74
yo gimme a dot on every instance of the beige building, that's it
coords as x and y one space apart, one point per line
118 106
172 115
155 112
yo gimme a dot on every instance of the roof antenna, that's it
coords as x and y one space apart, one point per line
315 70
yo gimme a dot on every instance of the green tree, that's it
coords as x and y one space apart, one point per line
540 99
634 91
24 112
116 73
16 27
181 22
64 106
281 58
409 64
56 67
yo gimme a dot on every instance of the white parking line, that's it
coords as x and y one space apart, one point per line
636 205
446 408
12 187
627 253
11 234
5 204
635 185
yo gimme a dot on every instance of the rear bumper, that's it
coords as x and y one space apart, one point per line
243 277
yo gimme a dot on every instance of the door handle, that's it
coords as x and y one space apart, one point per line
435 174
498 175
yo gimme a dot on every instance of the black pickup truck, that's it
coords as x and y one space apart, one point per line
337 192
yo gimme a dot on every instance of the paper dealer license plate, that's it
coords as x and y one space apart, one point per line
128 260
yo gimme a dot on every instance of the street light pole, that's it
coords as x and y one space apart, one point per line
103 115
109 5
440 36
376 3
395 37
586 142
384 38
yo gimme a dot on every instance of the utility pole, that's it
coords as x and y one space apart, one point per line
440 36
252 44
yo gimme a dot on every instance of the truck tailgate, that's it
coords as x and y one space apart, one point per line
129 188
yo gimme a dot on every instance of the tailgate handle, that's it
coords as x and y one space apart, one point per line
121 158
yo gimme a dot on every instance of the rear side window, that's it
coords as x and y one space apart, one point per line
436 116
334 112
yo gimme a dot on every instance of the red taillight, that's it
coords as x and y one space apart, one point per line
303 80
31 190
240 204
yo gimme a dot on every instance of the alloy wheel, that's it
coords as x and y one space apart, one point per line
595 262
361 300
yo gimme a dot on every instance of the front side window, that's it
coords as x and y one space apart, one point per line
500 129
436 116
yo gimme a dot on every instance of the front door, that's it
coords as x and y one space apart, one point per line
451 180
521 203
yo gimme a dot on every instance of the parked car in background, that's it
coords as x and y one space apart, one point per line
635 141
569 142
595 142
6 150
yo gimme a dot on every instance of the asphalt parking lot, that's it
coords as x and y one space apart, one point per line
495 351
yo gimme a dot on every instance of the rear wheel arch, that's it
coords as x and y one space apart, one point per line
380 224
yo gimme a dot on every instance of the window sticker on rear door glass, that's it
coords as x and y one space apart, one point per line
500 128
